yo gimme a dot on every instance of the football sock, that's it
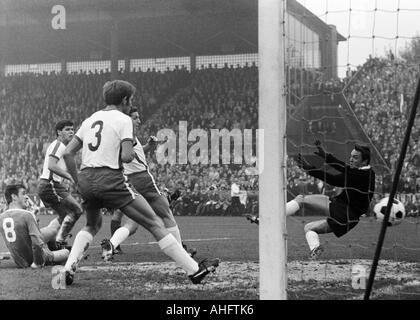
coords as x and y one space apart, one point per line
119 236
292 207
114 226
313 239
80 245
175 232
171 247
66 225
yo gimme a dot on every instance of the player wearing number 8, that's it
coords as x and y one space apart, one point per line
23 238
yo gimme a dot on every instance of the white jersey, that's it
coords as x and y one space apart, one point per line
101 135
55 150
139 163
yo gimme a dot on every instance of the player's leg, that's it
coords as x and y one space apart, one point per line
312 231
60 256
73 210
116 220
50 231
140 211
145 184
119 236
82 241
50 198
55 257
160 205
115 225
314 202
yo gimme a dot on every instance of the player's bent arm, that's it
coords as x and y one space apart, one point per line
69 156
334 180
38 257
151 144
127 151
335 163
53 166
37 241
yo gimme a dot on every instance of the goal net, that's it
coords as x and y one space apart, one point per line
351 69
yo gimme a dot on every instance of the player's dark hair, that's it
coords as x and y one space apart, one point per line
12 189
115 91
61 124
364 150
132 110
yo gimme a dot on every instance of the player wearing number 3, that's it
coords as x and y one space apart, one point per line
20 231
106 140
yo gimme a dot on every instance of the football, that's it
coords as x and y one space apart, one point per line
397 211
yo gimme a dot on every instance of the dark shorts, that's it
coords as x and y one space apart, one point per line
144 183
105 188
51 193
342 219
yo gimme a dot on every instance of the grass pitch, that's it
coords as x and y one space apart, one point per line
144 272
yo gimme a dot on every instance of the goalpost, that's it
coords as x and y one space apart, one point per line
272 120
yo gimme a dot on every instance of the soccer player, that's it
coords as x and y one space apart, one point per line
138 174
50 189
357 182
106 140
20 231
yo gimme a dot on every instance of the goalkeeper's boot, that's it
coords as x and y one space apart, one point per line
316 252
107 250
205 267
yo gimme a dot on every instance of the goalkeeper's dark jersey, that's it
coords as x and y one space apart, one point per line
358 184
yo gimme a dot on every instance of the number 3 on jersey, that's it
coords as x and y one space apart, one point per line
98 136
9 229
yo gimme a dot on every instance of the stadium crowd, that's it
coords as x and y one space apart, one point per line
207 98
381 95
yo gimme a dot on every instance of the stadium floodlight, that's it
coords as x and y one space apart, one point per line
272 119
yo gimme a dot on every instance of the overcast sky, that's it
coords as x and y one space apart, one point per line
364 22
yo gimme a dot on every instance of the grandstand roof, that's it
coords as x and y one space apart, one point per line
146 28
